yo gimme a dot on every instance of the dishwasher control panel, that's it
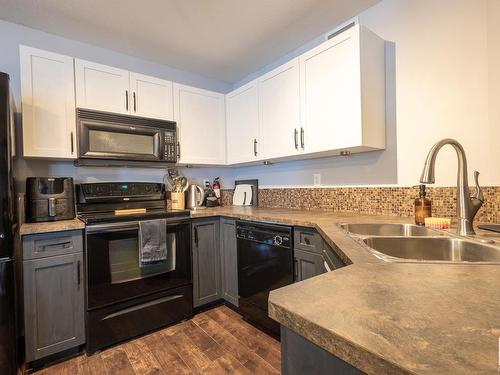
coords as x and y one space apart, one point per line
265 234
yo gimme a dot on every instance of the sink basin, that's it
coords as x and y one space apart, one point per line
401 230
446 249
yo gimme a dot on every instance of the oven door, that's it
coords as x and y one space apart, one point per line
106 140
112 263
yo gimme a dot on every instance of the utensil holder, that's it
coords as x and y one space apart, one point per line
178 200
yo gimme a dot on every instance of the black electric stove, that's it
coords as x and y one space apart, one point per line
102 202
125 298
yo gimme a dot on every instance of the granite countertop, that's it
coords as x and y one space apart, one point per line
388 318
50 226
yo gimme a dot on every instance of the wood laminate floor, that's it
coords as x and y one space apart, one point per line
216 341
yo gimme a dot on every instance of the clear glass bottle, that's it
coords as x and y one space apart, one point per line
423 207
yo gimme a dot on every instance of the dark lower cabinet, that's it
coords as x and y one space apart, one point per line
53 293
300 356
312 255
229 260
308 264
207 278
53 305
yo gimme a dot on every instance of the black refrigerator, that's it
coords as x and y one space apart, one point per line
8 359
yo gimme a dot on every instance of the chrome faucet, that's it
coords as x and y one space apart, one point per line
467 206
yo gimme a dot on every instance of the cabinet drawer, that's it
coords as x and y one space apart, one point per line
50 244
308 239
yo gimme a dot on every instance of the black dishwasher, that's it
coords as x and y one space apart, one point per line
265 262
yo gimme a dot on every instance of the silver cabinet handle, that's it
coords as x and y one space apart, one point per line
255 147
135 102
295 134
302 142
126 100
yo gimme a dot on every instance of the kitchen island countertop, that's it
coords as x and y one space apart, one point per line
383 317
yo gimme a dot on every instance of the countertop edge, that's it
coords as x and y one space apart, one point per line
350 352
27 229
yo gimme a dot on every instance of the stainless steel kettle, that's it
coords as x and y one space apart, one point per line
195 196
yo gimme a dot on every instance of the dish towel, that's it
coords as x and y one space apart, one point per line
152 241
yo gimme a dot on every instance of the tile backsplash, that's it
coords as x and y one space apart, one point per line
390 201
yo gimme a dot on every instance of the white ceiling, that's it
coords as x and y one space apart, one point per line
220 39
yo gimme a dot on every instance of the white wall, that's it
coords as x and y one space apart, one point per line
12 35
493 13
442 82
442 62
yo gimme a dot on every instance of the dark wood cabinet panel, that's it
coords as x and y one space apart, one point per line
229 258
53 305
207 280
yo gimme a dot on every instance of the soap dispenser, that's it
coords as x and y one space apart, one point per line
423 206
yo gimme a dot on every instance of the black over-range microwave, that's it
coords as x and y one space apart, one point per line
111 136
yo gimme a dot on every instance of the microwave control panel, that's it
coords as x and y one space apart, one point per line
170 142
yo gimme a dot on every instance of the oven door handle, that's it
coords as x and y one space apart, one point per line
129 225
112 227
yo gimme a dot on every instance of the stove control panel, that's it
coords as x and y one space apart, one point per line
120 191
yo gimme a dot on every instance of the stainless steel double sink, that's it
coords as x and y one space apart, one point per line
412 243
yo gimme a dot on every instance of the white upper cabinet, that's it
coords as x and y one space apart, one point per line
102 87
280 111
105 88
242 116
343 93
151 97
200 116
48 104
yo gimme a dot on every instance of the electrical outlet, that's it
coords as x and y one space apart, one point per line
317 179
206 182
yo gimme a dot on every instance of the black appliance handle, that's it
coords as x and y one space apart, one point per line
178 151
128 225
72 143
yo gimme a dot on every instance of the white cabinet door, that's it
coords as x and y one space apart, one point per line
48 104
200 116
330 93
151 97
102 87
280 111
242 116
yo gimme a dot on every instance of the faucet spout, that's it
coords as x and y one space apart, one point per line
467 207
